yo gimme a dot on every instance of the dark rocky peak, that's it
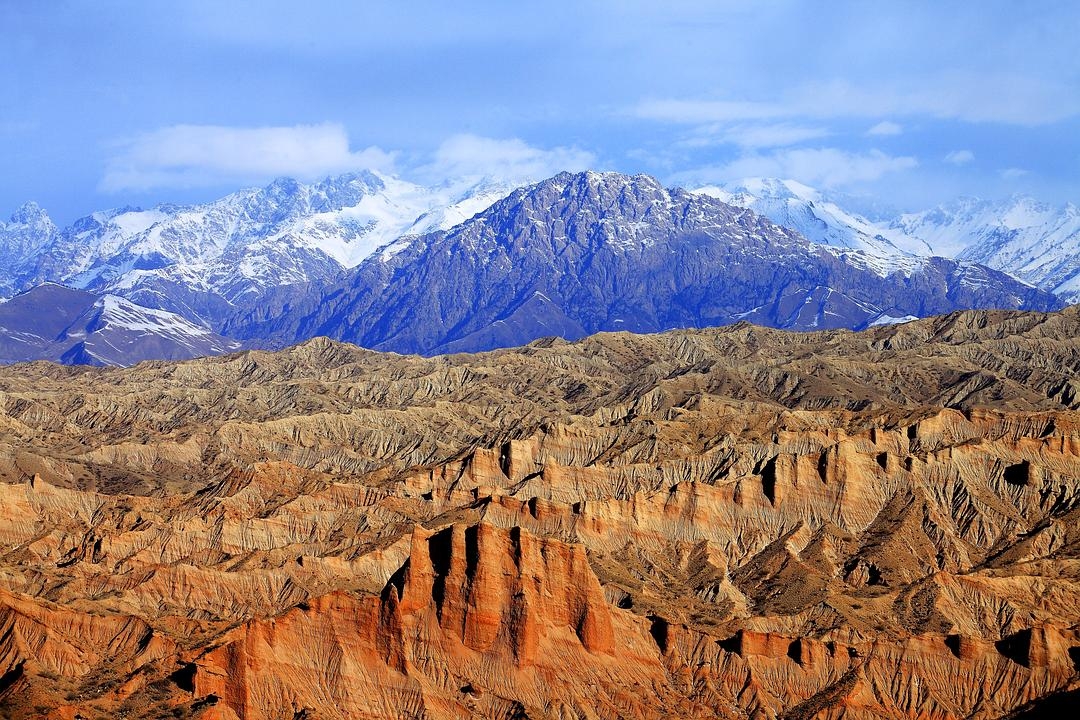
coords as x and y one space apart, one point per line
30 213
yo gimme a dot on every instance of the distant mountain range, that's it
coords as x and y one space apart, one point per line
476 264
1033 241
578 254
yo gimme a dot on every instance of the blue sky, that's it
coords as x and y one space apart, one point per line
113 103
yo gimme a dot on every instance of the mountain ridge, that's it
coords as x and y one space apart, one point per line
439 271
205 260
609 251
70 326
1033 241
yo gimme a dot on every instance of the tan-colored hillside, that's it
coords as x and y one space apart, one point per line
734 522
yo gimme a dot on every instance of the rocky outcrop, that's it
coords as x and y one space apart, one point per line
725 523
477 619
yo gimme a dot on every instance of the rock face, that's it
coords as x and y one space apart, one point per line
735 522
590 252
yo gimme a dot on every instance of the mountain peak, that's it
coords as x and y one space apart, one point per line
605 188
616 179
285 187
29 232
774 188
30 213
366 178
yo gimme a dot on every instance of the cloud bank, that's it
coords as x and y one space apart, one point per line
185 156
189 156
818 167
1006 98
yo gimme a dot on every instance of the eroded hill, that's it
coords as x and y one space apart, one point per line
734 522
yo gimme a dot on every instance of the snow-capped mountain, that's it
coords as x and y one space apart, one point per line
22 240
1034 241
74 326
582 253
474 264
205 261
815 216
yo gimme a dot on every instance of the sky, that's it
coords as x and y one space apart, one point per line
107 104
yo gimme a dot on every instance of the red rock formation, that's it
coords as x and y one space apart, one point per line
478 617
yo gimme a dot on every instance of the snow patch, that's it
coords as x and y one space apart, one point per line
890 320
120 313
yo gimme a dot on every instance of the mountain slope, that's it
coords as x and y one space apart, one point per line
793 205
52 322
1032 241
578 254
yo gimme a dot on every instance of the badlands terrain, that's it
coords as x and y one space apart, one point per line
724 523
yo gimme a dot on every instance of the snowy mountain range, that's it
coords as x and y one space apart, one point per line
589 252
476 263
1032 241
205 261
804 209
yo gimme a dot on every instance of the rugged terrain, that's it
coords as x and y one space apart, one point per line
734 522
205 261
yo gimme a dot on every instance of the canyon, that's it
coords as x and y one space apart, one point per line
734 522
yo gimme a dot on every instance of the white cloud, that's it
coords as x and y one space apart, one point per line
1009 98
821 167
959 157
203 155
206 155
1013 173
752 135
507 159
886 127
